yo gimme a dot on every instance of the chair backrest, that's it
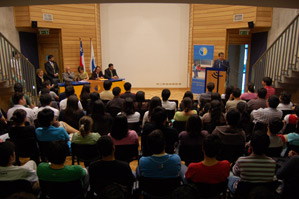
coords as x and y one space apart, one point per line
274 151
170 114
231 152
136 126
61 190
159 187
179 126
126 153
10 187
211 190
44 149
289 128
244 188
286 112
191 153
84 152
208 126
26 148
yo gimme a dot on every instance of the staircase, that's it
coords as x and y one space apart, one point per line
14 68
280 61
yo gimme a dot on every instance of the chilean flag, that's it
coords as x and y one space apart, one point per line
82 56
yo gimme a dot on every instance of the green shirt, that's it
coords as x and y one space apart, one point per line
66 174
91 138
179 116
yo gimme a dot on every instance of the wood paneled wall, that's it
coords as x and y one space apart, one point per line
75 21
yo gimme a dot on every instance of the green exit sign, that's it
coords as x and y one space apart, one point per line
244 32
44 31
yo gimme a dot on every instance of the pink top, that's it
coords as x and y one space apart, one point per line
248 96
270 91
131 138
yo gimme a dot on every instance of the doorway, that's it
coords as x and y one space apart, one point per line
237 56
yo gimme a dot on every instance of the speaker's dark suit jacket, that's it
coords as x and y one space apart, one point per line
50 71
221 64
108 73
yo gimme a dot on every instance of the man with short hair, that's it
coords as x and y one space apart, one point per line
18 87
127 87
110 72
68 76
20 101
108 170
45 100
52 69
165 103
69 90
264 115
9 172
234 99
260 102
206 97
255 168
221 62
267 82
47 85
116 102
107 93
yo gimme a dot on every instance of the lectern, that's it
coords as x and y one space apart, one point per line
218 77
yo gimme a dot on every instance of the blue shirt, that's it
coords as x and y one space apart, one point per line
165 166
51 133
293 138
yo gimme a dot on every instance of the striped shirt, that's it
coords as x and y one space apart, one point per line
264 115
255 168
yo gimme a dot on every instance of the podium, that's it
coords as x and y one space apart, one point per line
218 77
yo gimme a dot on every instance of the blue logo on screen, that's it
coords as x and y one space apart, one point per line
203 51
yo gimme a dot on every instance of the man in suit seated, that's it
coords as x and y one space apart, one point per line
68 76
110 72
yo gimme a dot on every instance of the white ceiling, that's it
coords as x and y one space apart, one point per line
265 3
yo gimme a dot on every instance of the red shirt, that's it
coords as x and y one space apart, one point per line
270 91
198 172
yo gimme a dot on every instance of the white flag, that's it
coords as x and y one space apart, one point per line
92 60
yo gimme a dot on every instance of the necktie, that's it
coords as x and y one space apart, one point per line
111 73
52 66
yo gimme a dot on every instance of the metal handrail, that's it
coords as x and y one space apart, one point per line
15 68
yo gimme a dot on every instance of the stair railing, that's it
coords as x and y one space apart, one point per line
279 58
15 68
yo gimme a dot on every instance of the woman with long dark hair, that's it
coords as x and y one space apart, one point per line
72 114
187 110
155 102
128 110
214 117
93 97
85 96
102 120
245 122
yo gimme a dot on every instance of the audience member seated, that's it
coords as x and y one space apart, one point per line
93 97
85 136
69 91
160 164
72 114
40 78
19 103
45 100
107 93
102 120
168 105
97 74
68 76
9 172
248 168
47 131
154 102
129 111
187 110
206 97
234 100
292 139
141 105
267 83
186 191
214 117
289 173
127 87
19 88
285 102
264 115
250 93
85 96
120 134
82 75
260 102
159 121
62 95
107 170
210 170
290 121
47 85
245 121
228 91
276 139
116 103
231 134
194 102
56 170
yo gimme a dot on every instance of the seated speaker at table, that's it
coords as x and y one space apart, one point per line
110 72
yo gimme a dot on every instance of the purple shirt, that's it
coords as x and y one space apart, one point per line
248 96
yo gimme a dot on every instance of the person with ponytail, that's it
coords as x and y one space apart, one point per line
187 110
84 135
19 130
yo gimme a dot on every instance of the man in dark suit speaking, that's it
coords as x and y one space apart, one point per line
110 72
52 70
221 62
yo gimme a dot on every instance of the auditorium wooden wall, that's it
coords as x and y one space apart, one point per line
74 21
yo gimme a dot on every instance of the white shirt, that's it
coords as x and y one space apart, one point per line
63 103
56 112
285 107
264 115
31 116
25 172
169 105
133 118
